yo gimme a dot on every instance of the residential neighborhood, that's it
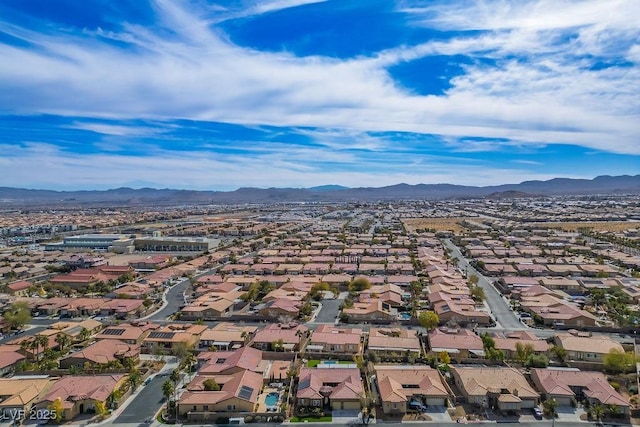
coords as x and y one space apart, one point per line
411 312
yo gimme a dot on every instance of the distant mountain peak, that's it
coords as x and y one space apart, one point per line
325 193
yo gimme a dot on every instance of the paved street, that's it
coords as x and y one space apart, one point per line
329 311
175 299
147 401
505 317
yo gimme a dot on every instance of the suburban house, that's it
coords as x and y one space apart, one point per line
21 394
238 392
229 362
567 386
394 342
402 387
19 289
211 305
169 337
127 333
10 356
226 336
335 387
459 344
371 310
507 342
122 308
505 389
583 347
557 312
460 311
281 308
280 337
331 341
79 394
103 352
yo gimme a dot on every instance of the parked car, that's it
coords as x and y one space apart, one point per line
417 406
537 413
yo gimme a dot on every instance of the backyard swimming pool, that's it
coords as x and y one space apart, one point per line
272 398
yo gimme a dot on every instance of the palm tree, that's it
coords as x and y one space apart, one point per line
25 346
167 389
189 361
63 341
135 378
39 340
614 411
84 334
113 398
597 412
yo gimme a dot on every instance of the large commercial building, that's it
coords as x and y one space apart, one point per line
119 243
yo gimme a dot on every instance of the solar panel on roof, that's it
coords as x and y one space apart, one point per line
245 392
162 335
113 332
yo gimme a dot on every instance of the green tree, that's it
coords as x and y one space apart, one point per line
210 384
84 334
359 284
101 408
551 407
135 378
428 320
175 377
474 279
477 293
40 341
617 361
559 353
537 361
523 351
167 389
597 411
444 357
63 341
180 350
17 315
57 410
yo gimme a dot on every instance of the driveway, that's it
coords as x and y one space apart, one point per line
345 416
438 414
570 414
329 311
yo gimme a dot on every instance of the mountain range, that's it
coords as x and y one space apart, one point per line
600 185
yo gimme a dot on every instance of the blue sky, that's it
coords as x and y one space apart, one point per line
98 94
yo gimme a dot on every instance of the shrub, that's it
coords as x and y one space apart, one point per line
248 419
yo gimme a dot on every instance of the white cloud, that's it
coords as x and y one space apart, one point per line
205 170
544 94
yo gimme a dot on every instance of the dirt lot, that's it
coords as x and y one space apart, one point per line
613 226
438 224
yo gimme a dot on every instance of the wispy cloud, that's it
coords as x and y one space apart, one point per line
535 78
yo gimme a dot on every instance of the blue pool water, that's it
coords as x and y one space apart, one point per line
272 398
329 362
405 316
